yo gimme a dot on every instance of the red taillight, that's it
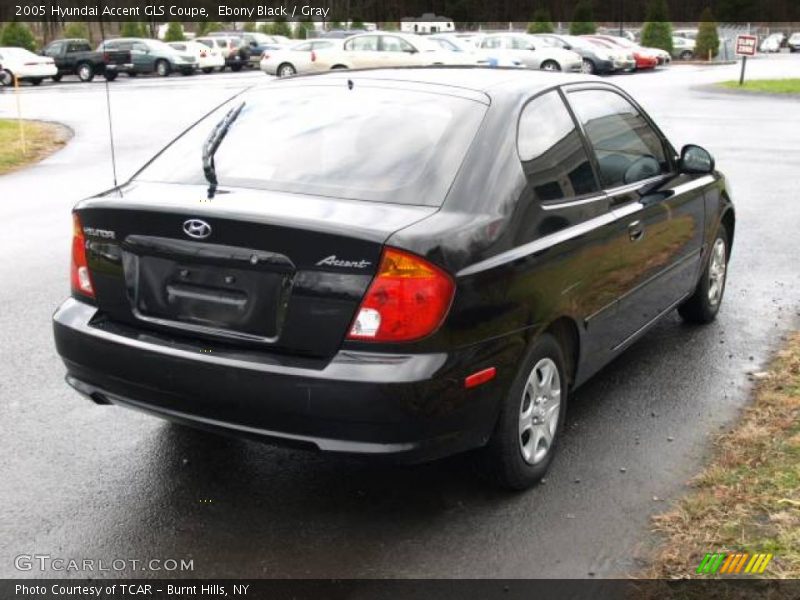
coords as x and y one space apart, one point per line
407 300
313 56
106 57
79 273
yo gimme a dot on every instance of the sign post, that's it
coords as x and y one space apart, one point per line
745 46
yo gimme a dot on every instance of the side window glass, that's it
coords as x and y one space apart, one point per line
303 47
54 49
551 150
391 43
368 43
518 43
627 148
492 43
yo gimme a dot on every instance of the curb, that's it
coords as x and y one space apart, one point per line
715 89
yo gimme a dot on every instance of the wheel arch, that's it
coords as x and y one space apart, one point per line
728 219
566 332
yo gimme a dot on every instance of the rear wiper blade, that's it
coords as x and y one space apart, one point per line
212 144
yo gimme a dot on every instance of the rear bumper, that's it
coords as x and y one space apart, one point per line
409 407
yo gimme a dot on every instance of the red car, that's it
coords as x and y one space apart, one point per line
644 59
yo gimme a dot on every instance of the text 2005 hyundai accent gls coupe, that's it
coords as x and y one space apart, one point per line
406 262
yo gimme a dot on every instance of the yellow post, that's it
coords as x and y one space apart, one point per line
19 117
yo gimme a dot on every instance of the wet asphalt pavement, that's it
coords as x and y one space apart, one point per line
83 481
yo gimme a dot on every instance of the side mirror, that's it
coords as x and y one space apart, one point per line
696 160
410 51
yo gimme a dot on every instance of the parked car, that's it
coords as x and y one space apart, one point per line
76 57
643 55
683 48
532 53
208 59
21 65
794 42
453 43
595 59
419 262
299 58
641 60
772 43
254 43
382 49
341 33
152 56
235 55
689 34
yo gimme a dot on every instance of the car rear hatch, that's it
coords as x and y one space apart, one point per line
266 269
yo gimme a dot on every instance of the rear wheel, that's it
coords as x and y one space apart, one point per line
36 80
338 67
587 66
208 70
110 75
162 68
286 70
686 55
57 77
85 72
6 77
531 418
550 65
703 306
236 68
133 74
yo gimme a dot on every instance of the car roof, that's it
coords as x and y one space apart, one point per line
490 81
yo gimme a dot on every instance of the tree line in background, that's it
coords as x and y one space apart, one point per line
656 32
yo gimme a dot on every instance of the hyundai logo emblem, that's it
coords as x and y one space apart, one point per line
197 229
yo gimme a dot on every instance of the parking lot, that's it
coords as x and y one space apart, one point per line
86 481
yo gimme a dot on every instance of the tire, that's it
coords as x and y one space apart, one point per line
57 78
7 78
186 72
110 75
587 67
36 80
521 450
550 65
208 70
133 74
686 55
85 72
286 70
162 68
337 67
236 68
703 305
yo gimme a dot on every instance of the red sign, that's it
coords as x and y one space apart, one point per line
746 45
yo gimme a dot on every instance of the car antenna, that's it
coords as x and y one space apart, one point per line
108 110
212 144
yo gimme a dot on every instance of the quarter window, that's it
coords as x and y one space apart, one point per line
551 150
627 148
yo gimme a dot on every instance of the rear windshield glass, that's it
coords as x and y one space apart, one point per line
364 143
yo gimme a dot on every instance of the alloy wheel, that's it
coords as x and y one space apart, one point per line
716 272
539 411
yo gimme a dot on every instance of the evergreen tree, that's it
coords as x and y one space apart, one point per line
357 24
335 25
541 22
707 39
205 27
249 27
583 19
76 30
657 30
132 29
17 35
174 32
305 29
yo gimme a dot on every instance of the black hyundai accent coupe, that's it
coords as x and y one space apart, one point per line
405 262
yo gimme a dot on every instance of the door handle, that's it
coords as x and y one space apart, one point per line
636 231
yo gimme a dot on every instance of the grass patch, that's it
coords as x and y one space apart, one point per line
41 140
772 86
748 498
